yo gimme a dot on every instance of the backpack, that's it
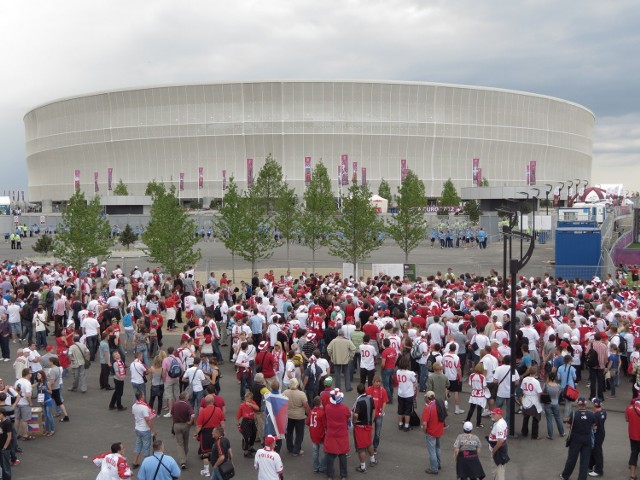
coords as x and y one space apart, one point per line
415 350
175 370
592 359
217 314
441 410
622 346
431 359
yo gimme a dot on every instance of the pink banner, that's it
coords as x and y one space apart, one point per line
344 172
355 171
249 172
403 170
532 172
364 176
556 197
224 180
307 170
181 181
528 174
479 176
475 179
109 179
200 178
76 180
96 189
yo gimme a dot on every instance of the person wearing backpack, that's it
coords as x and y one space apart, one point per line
171 373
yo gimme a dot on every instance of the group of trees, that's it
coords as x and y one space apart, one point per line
254 222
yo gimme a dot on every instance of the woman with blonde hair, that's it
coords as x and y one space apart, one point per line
157 383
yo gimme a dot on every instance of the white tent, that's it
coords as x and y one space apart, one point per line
381 204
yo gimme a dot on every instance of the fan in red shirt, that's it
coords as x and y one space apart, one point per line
420 321
481 320
325 395
317 422
266 361
371 329
380 399
247 423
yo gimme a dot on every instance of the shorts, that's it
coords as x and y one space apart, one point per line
362 436
23 412
493 389
405 406
16 328
171 390
171 313
143 443
55 394
128 334
455 386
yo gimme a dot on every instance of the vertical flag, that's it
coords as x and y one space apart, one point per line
569 196
532 172
479 177
224 180
475 180
200 178
355 171
556 197
307 170
403 170
23 195
364 176
528 174
277 406
76 180
344 173
109 179
96 189
249 172
181 181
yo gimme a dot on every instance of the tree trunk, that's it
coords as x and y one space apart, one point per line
288 263
313 260
233 267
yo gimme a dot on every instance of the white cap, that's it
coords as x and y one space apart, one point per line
467 427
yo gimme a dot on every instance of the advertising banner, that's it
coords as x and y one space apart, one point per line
532 172
354 166
344 172
109 179
181 181
249 172
474 172
403 170
76 180
307 170
200 178
96 189
364 176
224 180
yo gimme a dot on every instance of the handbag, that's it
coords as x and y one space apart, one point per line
545 398
570 393
227 470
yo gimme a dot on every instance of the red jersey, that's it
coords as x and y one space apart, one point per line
267 362
325 396
245 410
336 440
435 427
481 320
380 398
389 357
632 414
210 417
421 322
317 422
371 330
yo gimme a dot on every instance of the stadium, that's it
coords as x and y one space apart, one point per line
198 136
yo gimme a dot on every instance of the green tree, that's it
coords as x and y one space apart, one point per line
268 184
44 244
472 210
230 224
127 237
83 233
169 235
384 190
319 209
449 196
121 189
357 228
287 219
484 182
154 188
408 227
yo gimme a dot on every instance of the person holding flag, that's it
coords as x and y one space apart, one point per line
276 409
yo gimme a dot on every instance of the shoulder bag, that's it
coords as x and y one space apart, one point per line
226 468
570 393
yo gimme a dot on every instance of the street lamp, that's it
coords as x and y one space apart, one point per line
547 193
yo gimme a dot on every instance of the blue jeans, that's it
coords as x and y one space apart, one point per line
49 424
342 371
143 443
216 475
41 340
387 382
424 376
318 458
330 458
196 399
552 412
145 354
377 431
433 448
139 387
5 457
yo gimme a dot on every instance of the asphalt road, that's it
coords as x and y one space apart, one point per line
67 455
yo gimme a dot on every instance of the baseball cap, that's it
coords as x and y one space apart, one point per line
505 341
499 324
26 350
467 427
430 394
581 401
328 381
596 402
262 345
496 411
269 440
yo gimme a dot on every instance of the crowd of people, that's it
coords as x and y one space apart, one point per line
297 345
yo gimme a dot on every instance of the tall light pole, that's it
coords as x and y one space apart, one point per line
547 193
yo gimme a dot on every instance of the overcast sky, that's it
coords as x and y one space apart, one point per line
585 51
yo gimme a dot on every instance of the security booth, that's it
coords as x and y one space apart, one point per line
578 249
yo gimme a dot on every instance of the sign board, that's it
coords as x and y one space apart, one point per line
410 271
390 269
347 270
43 220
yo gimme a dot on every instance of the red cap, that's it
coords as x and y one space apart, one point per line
496 411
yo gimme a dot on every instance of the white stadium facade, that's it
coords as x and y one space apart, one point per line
204 134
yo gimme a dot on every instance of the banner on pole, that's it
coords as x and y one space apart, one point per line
528 174
556 197
224 180
344 175
200 178
181 181
532 172
249 172
307 170
96 189
403 170
76 180
109 179
364 176
475 178
355 171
